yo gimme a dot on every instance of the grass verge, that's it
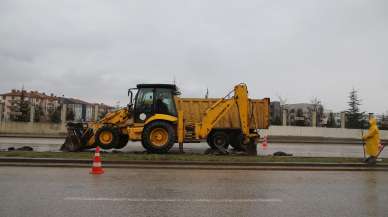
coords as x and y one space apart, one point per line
181 157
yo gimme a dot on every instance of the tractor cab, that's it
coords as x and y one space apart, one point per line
152 99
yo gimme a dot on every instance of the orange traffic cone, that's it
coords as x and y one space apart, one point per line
97 168
264 145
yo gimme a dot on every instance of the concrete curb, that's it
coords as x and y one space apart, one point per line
271 139
74 163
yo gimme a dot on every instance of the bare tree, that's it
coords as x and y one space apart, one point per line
282 100
318 108
316 103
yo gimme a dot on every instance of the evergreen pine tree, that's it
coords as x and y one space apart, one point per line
38 113
55 116
331 123
23 108
70 115
355 118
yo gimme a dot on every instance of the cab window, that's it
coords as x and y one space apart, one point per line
164 103
144 104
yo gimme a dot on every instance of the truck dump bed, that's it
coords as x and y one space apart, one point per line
194 110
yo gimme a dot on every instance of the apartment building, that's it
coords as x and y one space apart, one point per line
10 102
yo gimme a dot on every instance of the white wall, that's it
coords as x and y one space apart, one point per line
49 128
318 132
31 128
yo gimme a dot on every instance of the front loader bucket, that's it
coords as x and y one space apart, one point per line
75 140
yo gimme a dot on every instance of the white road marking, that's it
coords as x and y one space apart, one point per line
255 200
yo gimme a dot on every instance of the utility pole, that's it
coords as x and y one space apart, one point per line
343 120
285 117
314 121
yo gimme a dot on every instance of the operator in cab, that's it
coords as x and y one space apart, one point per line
161 107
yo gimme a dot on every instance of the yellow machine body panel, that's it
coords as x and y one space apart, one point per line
135 133
118 118
195 108
231 112
213 115
161 117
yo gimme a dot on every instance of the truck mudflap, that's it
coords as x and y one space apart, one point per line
77 136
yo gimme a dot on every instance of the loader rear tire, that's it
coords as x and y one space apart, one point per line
236 141
107 137
123 141
218 138
158 137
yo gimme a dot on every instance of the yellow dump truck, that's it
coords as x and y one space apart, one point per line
159 118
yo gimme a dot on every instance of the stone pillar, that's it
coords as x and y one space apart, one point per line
343 119
32 113
284 117
63 114
96 108
314 119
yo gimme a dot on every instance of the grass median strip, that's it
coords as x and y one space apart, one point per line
181 157
168 200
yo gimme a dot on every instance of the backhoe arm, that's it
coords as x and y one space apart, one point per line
220 108
242 101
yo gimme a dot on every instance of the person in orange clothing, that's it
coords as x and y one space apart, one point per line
372 141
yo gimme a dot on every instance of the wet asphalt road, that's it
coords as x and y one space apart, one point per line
58 192
303 150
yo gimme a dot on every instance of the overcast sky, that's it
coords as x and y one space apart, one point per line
95 50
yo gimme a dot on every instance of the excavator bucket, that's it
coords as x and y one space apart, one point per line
76 138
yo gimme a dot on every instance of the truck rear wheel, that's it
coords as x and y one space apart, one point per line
107 137
218 138
158 137
236 141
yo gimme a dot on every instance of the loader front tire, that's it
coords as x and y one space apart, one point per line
107 137
158 137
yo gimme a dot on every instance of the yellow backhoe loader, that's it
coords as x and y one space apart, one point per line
159 118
